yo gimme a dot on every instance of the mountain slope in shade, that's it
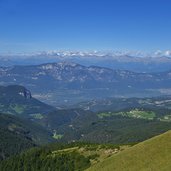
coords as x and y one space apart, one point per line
18 100
153 154
18 134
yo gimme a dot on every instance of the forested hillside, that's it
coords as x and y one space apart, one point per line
18 134
66 157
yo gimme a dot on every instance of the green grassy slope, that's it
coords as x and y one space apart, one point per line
151 155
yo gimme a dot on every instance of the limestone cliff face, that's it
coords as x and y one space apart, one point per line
27 94
24 92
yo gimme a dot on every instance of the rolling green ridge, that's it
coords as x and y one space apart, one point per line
79 125
140 113
153 154
118 104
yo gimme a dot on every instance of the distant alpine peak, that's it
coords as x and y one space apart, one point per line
60 65
67 63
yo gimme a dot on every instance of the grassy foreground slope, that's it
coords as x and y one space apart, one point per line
151 155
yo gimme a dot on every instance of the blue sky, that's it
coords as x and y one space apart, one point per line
38 25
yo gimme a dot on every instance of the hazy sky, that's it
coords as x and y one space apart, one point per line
36 25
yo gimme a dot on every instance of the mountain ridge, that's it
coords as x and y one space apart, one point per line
148 63
18 100
94 81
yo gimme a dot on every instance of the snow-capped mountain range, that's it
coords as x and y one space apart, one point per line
133 61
